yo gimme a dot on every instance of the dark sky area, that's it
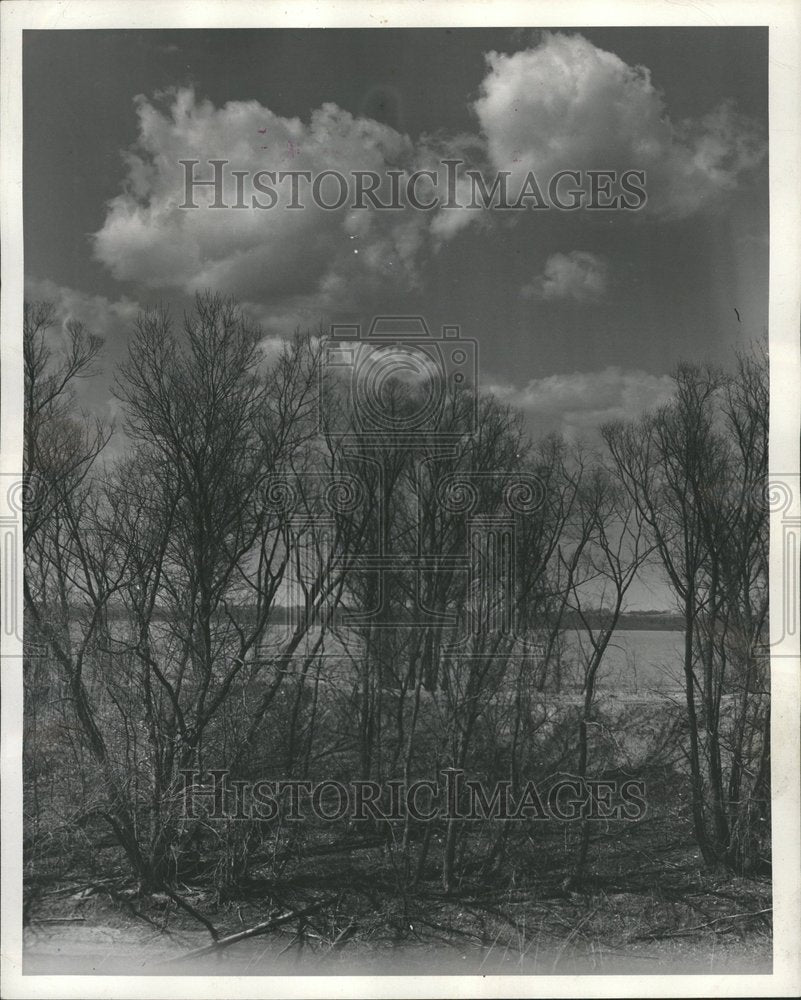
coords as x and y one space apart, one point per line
579 316
671 283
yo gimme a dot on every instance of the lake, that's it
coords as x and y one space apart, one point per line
637 661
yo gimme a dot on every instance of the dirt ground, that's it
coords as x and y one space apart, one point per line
645 907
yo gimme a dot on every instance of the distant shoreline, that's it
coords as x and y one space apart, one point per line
632 621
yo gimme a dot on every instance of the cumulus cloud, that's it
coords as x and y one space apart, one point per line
471 150
578 275
562 104
576 404
568 105
274 255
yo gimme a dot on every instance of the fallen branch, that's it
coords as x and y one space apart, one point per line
250 932
215 934
57 920
343 936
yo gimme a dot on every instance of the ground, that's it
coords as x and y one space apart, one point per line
646 906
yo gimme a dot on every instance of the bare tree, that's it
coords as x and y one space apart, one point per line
612 551
695 470
59 449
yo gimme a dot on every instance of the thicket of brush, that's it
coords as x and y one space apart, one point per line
152 577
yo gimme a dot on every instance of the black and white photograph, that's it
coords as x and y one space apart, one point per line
400 499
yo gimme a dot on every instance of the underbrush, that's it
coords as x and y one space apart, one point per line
330 899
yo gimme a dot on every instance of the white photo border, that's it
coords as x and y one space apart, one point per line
783 18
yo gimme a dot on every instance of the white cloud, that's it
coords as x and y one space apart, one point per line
576 404
578 275
274 255
563 104
445 223
568 105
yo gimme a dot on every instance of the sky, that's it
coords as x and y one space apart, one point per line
578 316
